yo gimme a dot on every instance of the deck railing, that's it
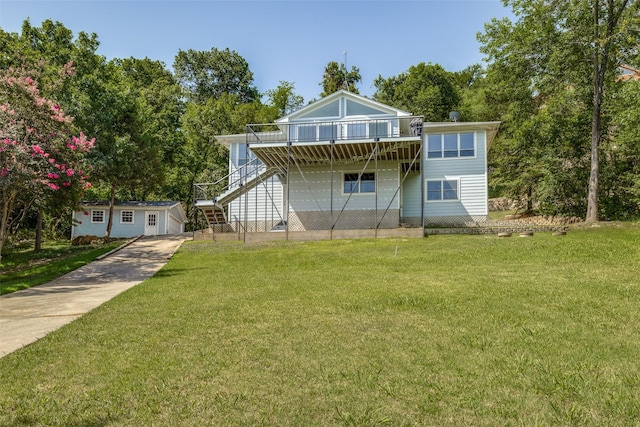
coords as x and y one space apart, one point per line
343 130
212 190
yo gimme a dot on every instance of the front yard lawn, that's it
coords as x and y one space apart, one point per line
22 268
446 330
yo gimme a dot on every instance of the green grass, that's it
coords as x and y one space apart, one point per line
447 330
22 268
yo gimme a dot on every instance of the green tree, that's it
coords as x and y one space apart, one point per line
620 163
336 77
51 55
284 99
425 89
546 50
38 155
159 106
209 74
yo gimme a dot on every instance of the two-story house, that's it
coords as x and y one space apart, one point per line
349 166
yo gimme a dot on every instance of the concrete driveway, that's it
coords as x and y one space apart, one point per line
30 314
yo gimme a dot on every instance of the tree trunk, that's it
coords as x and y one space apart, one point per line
38 244
592 200
7 205
599 66
601 60
107 235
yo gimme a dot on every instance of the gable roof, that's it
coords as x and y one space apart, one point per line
334 105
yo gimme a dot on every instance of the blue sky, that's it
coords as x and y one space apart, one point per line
281 40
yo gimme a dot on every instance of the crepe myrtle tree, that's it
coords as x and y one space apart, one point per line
42 163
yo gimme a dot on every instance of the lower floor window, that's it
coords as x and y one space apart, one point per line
442 190
366 183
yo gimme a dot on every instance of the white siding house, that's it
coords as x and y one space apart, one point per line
347 162
130 219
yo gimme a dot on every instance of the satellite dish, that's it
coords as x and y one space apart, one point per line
455 116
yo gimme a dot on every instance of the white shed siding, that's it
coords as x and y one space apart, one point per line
168 222
175 225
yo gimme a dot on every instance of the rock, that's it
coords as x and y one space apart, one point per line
85 240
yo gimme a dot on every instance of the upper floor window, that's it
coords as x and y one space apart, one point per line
366 183
451 145
334 131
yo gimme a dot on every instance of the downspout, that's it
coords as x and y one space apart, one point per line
246 192
288 187
422 166
195 214
376 194
331 192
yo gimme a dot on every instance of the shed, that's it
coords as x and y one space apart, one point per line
130 219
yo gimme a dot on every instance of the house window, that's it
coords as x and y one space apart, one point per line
450 145
379 129
245 155
307 133
442 190
357 130
366 184
328 132
126 217
97 216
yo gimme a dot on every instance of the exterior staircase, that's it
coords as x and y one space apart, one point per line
213 205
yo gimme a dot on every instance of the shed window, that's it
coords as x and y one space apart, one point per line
126 217
366 184
97 216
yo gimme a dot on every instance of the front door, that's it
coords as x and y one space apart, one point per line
151 223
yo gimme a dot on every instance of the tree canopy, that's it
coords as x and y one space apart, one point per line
336 77
425 89
210 74
558 55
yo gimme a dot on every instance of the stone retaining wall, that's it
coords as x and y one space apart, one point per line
494 230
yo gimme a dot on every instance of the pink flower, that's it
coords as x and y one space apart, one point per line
66 184
70 172
53 186
52 160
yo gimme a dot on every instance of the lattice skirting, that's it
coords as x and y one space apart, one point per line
458 221
345 220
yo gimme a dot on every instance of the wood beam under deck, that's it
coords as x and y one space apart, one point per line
344 152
